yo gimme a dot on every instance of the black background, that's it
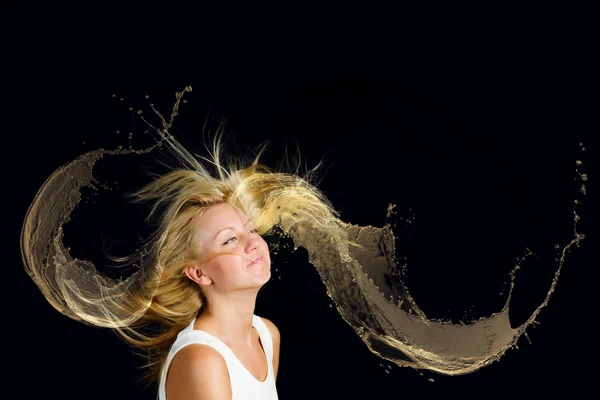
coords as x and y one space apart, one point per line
472 125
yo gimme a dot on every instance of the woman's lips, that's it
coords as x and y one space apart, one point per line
258 260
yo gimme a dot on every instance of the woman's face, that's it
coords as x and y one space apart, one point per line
234 256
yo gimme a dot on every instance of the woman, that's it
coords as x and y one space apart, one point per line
214 264
190 305
227 351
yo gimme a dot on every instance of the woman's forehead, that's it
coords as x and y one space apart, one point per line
219 216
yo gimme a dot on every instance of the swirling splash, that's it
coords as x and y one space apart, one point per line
364 283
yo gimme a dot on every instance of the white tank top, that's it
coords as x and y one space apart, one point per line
244 386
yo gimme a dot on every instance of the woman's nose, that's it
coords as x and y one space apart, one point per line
253 242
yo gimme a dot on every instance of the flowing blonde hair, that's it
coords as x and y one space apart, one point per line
182 195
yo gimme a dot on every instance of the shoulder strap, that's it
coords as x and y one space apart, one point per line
265 336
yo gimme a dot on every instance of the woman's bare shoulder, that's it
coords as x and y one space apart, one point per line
198 372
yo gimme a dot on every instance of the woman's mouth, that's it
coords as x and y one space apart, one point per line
257 260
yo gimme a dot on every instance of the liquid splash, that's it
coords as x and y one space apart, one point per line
365 283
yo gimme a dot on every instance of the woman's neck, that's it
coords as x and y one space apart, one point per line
232 325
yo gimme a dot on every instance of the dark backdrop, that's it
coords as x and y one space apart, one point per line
472 130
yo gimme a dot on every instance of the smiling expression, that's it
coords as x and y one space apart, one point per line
233 254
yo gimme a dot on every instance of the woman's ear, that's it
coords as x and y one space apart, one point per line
195 274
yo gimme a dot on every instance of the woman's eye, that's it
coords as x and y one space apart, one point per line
230 240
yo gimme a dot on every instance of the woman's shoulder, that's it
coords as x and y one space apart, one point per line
197 353
198 370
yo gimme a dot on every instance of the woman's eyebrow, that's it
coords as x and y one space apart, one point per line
230 227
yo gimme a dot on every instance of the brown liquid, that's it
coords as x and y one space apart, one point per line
363 284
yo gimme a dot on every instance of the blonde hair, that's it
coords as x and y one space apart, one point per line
171 299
